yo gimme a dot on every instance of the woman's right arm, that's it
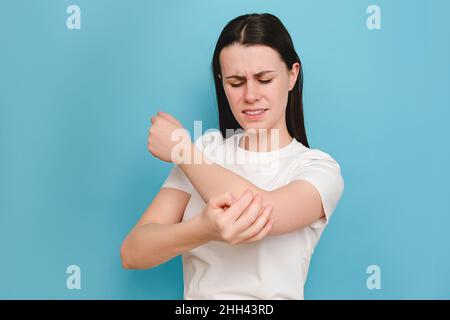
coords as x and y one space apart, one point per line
160 235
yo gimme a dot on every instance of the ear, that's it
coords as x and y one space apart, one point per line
293 74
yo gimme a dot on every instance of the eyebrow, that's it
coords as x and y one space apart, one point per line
256 74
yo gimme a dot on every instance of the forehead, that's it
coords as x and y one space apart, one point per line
240 59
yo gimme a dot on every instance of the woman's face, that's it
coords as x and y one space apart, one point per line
256 80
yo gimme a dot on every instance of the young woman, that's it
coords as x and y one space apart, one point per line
247 218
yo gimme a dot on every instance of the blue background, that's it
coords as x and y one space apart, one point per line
75 107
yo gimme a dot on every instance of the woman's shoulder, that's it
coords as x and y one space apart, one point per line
304 154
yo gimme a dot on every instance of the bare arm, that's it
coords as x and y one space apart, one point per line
160 234
295 205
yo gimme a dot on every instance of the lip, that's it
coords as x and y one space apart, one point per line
256 116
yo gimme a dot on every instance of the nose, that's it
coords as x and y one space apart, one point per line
251 93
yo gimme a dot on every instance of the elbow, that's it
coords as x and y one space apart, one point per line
125 264
130 259
125 257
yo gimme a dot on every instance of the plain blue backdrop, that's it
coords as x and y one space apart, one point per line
75 107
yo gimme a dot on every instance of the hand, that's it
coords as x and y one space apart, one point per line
237 221
168 140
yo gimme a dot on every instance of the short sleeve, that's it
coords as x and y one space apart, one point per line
324 173
178 180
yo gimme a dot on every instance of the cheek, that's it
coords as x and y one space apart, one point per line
233 97
277 95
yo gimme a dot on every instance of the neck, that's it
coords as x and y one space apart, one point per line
265 140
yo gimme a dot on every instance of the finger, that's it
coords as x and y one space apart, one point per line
233 199
225 199
249 215
170 118
258 225
239 206
264 231
153 119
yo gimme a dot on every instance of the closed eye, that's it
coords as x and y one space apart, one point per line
235 85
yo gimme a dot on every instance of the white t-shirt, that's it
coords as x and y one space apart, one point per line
275 267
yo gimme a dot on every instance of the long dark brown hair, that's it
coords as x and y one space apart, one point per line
260 29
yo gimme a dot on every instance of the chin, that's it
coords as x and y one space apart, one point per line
255 126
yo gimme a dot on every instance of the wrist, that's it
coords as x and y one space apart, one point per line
183 154
202 227
190 154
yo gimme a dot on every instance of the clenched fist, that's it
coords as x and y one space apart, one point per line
168 140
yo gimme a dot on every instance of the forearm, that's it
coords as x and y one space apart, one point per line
212 179
152 244
295 205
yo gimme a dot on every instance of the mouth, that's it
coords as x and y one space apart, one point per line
254 114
